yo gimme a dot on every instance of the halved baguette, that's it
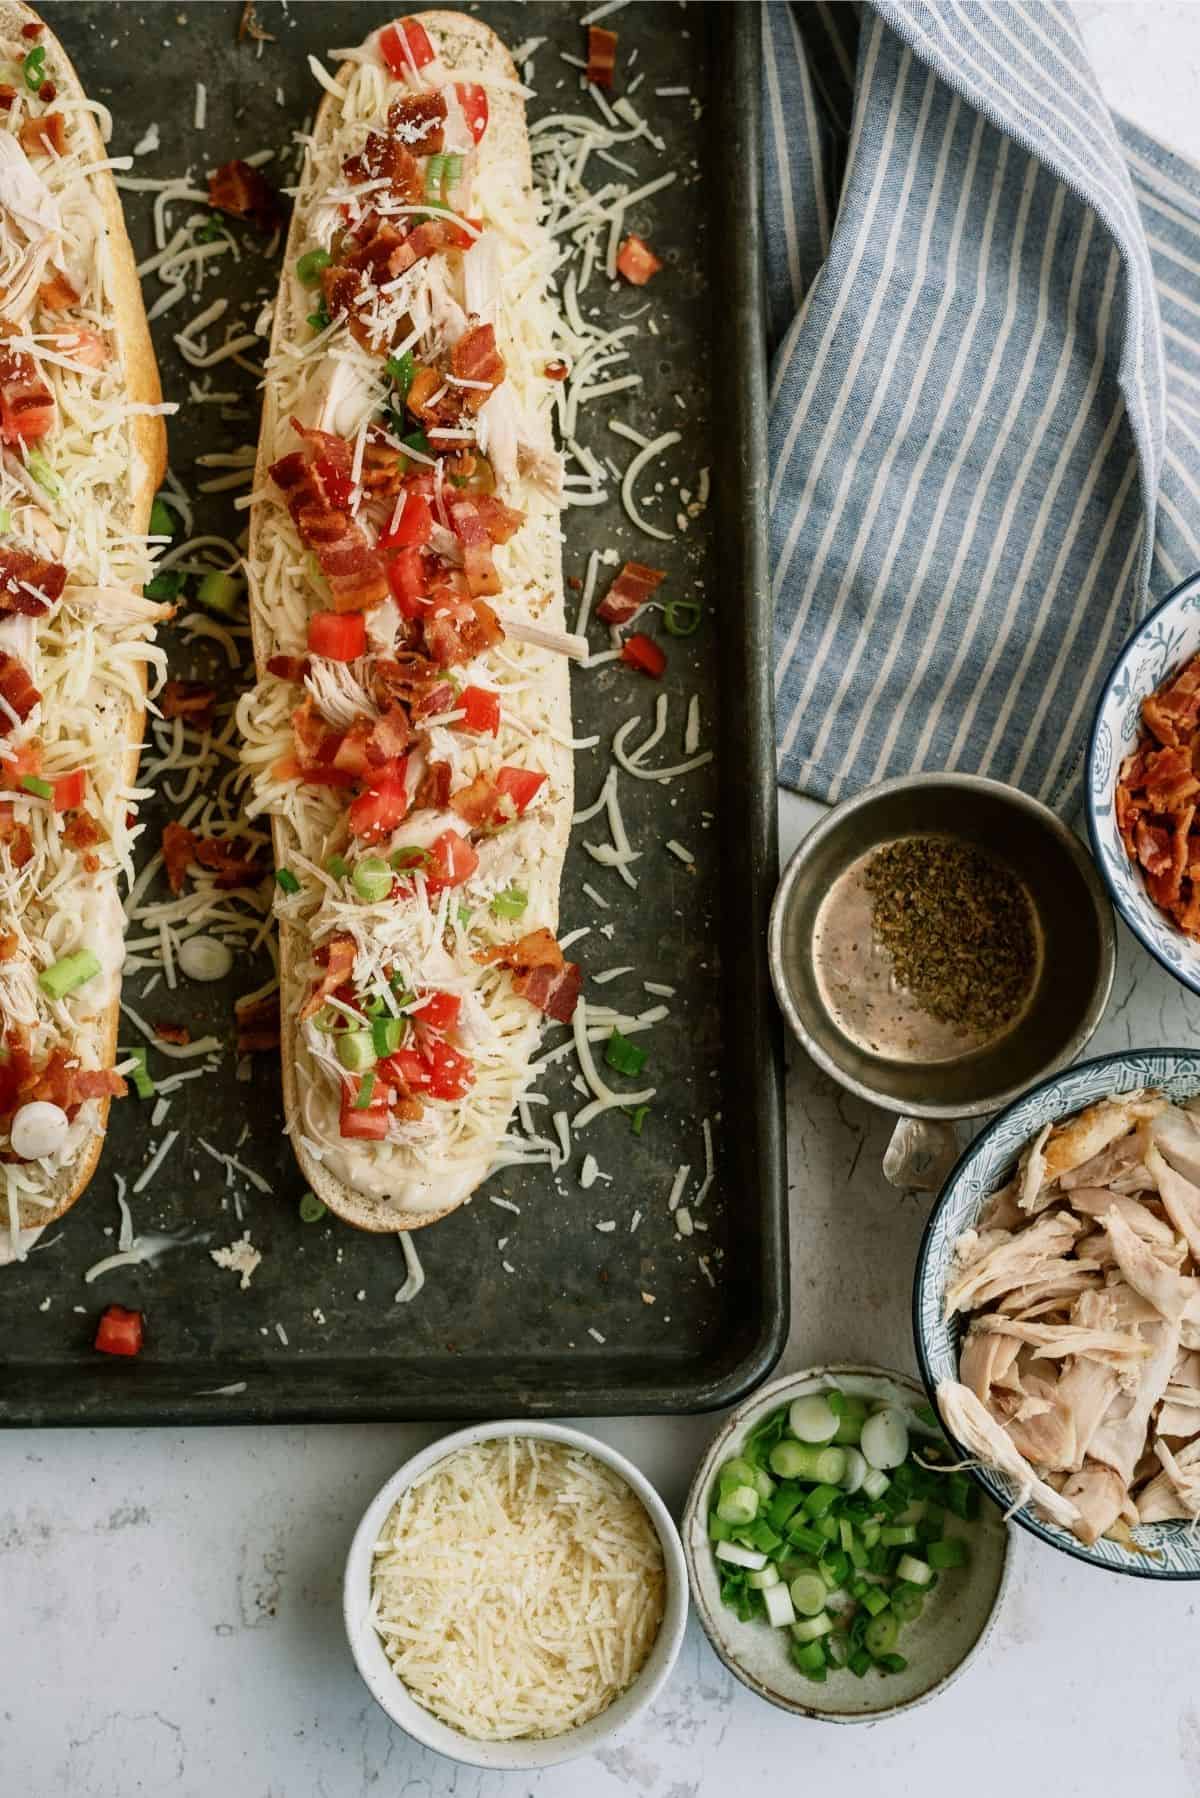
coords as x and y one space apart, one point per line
410 1193
126 512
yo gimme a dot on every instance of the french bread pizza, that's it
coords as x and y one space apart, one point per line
82 450
409 734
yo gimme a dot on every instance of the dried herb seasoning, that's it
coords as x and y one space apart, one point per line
959 927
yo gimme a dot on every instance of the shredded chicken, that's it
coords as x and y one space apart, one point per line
1080 1291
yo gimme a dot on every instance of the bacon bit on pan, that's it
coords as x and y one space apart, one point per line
629 593
45 134
10 942
257 1024
178 852
82 832
1158 795
246 193
173 1033
291 668
336 957
232 860
26 403
191 699
57 294
540 974
637 261
249 27
17 691
601 56
556 370
28 584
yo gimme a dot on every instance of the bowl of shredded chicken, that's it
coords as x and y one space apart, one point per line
515 1595
1057 1311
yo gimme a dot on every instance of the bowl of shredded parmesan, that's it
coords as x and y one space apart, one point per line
515 1595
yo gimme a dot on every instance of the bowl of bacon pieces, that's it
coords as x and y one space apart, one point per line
1143 783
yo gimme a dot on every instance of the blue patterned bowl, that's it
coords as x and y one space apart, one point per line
1163 642
986 1165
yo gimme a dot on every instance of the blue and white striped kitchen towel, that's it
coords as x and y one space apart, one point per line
985 393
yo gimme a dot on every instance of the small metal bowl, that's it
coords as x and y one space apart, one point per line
1068 898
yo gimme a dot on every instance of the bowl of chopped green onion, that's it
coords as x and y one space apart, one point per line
842 1564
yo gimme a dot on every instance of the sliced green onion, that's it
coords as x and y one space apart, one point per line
355 1051
372 878
884 1439
859 1663
718 1529
165 586
308 268
34 68
622 1055
907 1603
898 1535
510 903
386 1035
875 1482
809 1594
880 1634
71 972
435 172
320 319
210 230
366 1091
810 1419
682 616
764 1578
917 1573
220 591
311 1209
803 1461
416 440
463 913
850 1421
5 519
738 1472
810 1628
338 866
287 880
737 1556
140 1073
405 859
950 1553
638 1118
738 1505
161 522
809 1657
856 1470
891 1663
41 789
401 369
777 1602
44 474
821 1500
802 1537
875 1600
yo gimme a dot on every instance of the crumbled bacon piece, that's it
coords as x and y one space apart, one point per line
249 27
433 788
258 1024
17 691
82 832
190 699
45 134
246 193
418 121
475 358
540 973
336 959
629 593
28 583
290 668
407 676
57 293
27 409
1157 800
232 860
179 1034
458 632
8 94
601 56
316 484
178 852
384 158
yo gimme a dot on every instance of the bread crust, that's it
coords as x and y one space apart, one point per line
462 41
149 461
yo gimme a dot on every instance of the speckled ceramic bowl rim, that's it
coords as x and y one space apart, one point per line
765 1399
1023 1516
525 1754
1188 978
827 825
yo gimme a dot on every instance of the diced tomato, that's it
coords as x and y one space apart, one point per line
69 790
440 1011
376 813
451 861
405 1068
440 1072
370 1122
342 636
644 654
474 102
637 261
405 46
482 709
519 785
406 578
120 1332
413 528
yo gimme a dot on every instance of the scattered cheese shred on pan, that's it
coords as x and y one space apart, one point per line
518 1589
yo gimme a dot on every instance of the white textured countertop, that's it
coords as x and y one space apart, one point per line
169 1601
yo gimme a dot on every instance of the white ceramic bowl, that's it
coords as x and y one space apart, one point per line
938 1646
981 1170
1162 643
527 1753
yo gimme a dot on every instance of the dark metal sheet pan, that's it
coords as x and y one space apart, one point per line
481 1340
